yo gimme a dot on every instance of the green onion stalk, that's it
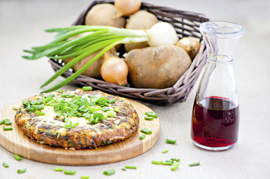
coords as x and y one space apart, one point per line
95 38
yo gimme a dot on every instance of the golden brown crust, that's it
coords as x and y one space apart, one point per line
108 131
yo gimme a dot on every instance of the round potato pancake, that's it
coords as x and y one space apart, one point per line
77 119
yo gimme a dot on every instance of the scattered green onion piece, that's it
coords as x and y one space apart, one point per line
165 151
111 114
58 169
69 172
167 163
8 122
87 88
194 164
170 141
21 170
116 109
175 159
40 113
142 136
75 124
148 118
15 107
112 101
5 165
124 169
109 172
156 162
85 177
2 122
151 114
146 131
7 128
130 167
175 165
17 157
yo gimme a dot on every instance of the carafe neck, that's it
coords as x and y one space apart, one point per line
221 37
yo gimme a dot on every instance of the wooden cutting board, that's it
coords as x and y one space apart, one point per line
16 142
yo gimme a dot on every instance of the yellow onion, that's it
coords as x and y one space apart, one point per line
114 70
126 7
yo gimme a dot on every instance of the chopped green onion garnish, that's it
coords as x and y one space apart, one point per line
21 170
156 162
33 102
175 159
148 118
8 122
58 169
15 107
166 163
109 172
85 177
75 124
130 167
41 100
194 164
165 151
40 113
105 109
2 122
175 165
170 141
48 99
5 165
151 114
17 157
111 114
124 169
146 131
87 88
7 128
69 172
112 101
25 103
116 109
142 136
50 95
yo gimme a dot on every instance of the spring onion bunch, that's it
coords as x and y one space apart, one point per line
97 37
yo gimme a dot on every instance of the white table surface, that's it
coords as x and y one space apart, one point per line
21 26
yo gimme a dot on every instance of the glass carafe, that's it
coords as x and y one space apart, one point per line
215 116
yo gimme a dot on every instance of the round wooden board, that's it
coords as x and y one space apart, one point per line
16 142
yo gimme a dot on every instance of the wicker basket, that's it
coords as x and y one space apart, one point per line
186 24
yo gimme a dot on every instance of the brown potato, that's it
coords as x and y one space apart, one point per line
190 45
157 67
141 20
103 14
94 69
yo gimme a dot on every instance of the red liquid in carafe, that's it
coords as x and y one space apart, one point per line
215 122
